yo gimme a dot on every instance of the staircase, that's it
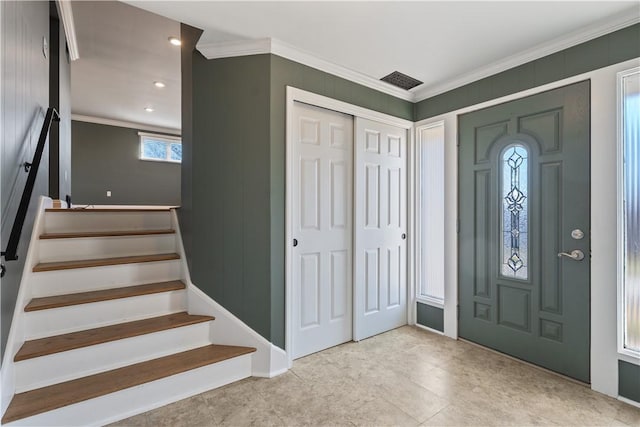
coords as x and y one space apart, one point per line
107 328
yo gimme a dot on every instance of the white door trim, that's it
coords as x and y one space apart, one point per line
293 95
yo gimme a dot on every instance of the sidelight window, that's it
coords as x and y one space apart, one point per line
430 216
515 219
629 210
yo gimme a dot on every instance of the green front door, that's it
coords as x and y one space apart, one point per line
523 201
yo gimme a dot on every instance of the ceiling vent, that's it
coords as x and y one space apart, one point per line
401 80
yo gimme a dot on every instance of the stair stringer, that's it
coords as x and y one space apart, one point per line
17 332
268 360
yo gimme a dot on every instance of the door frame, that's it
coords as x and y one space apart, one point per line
299 95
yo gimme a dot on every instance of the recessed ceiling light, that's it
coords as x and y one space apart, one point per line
175 41
148 109
159 84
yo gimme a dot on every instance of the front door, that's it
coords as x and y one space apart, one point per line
380 228
322 215
524 250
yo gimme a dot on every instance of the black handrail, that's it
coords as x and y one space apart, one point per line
11 253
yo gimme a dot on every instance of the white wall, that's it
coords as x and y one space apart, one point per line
604 355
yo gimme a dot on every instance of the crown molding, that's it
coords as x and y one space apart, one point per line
125 124
230 49
583 35
66 16
277 47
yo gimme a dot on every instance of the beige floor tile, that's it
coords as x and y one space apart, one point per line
628 415
191 412
135 421
380 412
404 377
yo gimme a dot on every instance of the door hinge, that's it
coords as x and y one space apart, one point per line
457 226
458 310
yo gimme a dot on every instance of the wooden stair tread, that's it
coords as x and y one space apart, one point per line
66 300
86 263
56 396
76 210
120 233
74 340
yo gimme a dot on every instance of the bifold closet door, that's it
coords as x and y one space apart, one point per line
322 229
380 260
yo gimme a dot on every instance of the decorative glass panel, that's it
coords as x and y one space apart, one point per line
631 208
515 218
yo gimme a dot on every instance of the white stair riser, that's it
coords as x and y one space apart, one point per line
135 400
59 367
47 283
105 247
58 321
63 222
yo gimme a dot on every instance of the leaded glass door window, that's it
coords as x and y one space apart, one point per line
515 190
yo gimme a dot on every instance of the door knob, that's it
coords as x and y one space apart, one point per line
295 242
576 255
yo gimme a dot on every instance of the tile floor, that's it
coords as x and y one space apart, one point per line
405 377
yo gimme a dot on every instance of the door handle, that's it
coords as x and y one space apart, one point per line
576 255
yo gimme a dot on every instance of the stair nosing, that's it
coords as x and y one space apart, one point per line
101 295
127 380
66 345
103 262
96 234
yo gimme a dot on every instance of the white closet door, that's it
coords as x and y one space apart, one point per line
322 226
380 228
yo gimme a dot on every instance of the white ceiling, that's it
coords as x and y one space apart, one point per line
443 44
123 50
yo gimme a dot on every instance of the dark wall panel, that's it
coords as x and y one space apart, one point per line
431 317
25 98
189 36
603 51
629 380
107 158
230 192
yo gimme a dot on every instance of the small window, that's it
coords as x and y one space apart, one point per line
160 148
629 211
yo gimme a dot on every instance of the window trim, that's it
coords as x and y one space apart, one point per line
620 258
167 139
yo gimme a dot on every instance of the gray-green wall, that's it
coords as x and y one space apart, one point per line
430 316
106 157
238 173
606 50
629 380
238 168
25 98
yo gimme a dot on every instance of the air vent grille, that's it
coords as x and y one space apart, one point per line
401 80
